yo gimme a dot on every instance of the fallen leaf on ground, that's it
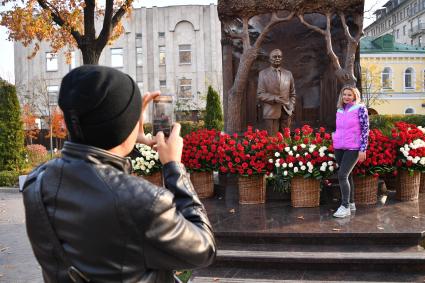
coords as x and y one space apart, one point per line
380 228
336 229
416 217
216 279
232 210
301 217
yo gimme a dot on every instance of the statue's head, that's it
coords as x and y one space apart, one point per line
275 57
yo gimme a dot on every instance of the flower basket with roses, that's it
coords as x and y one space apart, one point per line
246 156
306 160
410 143
200 158
147 164
380 157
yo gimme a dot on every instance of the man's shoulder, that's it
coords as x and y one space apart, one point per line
285 71
266 70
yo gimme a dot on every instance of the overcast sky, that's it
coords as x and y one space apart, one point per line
6 47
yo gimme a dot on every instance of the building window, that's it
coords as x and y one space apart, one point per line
420 41
73 60
139 56
387 78
408 78
409 110
161 34
117 60
138 39
140 85
52 92
404 30
51 62
185 54
423 79
138 35
163 86
185 88
162 55
398 33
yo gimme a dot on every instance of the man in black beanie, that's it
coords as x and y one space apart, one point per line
87 218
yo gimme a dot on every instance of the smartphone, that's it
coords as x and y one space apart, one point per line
163 114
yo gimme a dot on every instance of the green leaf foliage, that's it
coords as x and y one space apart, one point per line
214 115
9 178
386 122
11 129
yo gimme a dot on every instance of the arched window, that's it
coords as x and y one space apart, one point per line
409 78
387 74
409 110
423 77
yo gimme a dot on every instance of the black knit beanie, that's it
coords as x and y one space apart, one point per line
101 105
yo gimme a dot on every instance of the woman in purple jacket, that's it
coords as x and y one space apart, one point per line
350 142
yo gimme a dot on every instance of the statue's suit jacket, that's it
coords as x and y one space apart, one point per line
269 88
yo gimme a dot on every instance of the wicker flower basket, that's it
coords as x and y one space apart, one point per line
422 186
252 189
408 188
305 192
203 183
365 190
155 178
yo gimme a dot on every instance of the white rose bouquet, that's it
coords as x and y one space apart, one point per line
148 162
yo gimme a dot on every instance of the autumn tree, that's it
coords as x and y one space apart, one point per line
65 24
30 126
58 127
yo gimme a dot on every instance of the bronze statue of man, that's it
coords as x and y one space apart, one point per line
276 91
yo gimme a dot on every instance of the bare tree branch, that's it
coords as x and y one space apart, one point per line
328 37
346 28
120 13
59 21
273 21
89 25
245 34
310 26
107 28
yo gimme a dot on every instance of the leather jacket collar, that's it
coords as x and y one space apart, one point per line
96 155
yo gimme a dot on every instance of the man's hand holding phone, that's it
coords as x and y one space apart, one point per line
171 149
147 98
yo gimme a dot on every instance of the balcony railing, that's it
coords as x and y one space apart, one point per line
417 29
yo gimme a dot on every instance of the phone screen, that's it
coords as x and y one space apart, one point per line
163 114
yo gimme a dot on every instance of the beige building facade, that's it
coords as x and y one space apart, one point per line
174 49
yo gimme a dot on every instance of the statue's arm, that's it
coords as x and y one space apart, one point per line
262 95
292 97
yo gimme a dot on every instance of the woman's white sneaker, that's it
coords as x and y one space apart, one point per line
353 206
342 212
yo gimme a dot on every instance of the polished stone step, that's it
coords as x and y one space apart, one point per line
384 261
268 275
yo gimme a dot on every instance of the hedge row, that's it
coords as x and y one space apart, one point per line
9 178
385 122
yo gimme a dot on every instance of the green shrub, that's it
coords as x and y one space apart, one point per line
190 126
11 129
214 112
385 122
36 154
9 178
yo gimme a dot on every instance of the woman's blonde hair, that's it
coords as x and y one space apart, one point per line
354 90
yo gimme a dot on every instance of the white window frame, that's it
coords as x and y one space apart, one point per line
73 62
182 49
53 92
139 56
409 107
52 62
163 58
185 85
412 79
390 78
117 57
163 86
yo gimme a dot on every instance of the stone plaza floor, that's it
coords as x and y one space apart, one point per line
383 222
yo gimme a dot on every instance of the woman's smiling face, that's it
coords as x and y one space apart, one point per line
348 96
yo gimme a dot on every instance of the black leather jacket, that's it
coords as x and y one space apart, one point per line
115 227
